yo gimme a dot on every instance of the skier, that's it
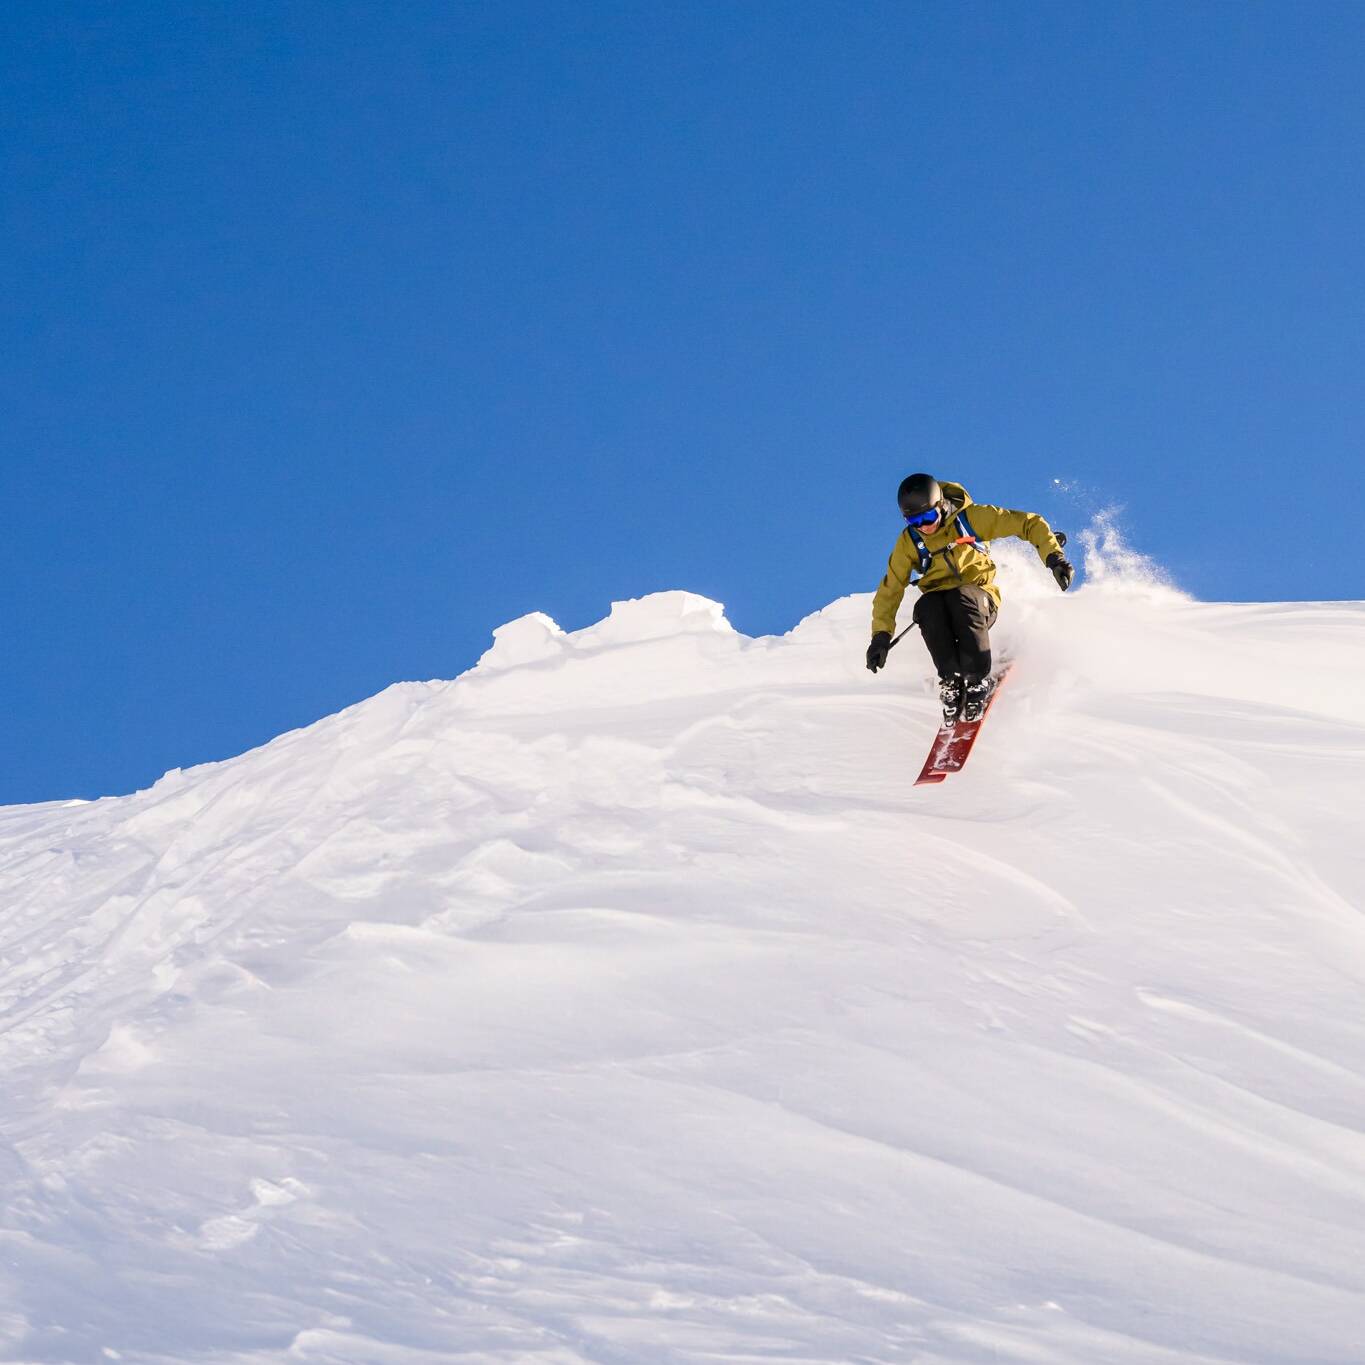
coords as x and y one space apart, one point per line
944 551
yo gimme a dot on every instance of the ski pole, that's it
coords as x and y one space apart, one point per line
900 637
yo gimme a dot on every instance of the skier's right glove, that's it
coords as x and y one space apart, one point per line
1061 569
878 650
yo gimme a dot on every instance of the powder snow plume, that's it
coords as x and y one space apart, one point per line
622 1001
1112 565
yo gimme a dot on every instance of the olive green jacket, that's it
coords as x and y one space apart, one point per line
952 564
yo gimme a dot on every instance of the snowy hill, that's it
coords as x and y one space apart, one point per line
622 1001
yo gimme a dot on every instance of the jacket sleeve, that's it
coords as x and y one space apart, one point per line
892 588
991 523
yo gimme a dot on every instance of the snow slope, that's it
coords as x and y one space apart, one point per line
622 1001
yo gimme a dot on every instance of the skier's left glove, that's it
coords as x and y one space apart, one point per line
878 650
1061 569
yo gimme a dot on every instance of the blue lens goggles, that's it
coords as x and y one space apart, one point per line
921 518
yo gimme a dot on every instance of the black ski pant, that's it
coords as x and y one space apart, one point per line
956 625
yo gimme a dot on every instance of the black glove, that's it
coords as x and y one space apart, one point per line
1061 570
878 650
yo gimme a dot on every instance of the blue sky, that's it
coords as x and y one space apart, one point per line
337 334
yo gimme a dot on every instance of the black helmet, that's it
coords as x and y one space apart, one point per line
918 494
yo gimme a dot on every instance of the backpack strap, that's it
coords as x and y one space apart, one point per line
925 558
965 534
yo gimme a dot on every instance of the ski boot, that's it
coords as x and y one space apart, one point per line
950 694
976 696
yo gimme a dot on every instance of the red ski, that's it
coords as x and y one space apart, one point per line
953 743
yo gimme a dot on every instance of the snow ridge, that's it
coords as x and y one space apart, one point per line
621 1000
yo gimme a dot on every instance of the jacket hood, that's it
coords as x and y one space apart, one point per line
955 494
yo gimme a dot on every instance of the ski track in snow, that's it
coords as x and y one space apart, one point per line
623 1001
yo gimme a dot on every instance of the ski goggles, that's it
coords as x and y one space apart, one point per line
922 518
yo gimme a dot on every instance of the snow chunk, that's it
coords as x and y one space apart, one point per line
656 616
536 637
123 1051
527 640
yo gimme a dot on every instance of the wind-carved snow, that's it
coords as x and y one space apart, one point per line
623 1001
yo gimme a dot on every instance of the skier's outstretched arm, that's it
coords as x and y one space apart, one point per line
991 523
